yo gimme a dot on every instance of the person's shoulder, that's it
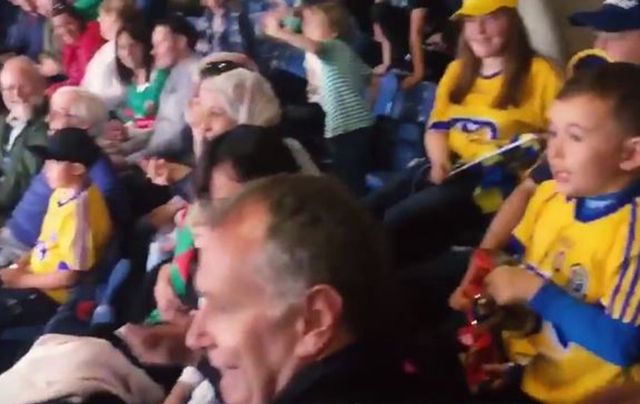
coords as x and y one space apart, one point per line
545 68
546 192
92 32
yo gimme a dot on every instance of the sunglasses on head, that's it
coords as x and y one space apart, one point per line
213 69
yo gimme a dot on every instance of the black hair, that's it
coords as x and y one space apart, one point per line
253 152
140 33
61 7
618 83
179 25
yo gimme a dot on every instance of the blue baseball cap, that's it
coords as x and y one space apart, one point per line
613 16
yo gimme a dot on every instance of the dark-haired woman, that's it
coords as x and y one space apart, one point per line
144 84
498 88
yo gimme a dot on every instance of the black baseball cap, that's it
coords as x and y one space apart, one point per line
73 145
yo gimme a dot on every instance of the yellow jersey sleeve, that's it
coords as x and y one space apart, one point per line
621 281
525 229
77 250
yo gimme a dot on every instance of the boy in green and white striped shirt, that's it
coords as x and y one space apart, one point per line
342 79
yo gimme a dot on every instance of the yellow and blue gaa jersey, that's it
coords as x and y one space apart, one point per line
75 232
588 249
475 127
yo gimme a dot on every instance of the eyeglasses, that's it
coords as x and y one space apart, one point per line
213 69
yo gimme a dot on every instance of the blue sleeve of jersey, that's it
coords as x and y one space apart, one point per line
588 326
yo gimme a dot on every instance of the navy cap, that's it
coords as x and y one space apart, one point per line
613 16
73 145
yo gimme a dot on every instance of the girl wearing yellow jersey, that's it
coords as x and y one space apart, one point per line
497 89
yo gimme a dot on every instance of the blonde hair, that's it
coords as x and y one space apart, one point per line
247 97
124 8
87 107
337 15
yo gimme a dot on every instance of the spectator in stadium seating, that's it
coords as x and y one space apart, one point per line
342 79
80 39
293 307
75 233
173 41
228 95
144 84
477 110
578 243
228 162
69 107
24 36
402 26
101 76
50 46
22 126
224 27
618 32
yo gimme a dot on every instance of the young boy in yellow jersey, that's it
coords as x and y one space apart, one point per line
580 242
75 232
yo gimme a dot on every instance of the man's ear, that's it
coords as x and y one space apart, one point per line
320 322
631 155
78 169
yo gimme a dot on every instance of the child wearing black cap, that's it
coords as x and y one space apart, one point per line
75 232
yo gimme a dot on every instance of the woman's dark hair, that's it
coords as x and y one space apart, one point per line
518 55
179 25
140 33
252 151
61 7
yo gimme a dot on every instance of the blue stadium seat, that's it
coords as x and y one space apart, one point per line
402 116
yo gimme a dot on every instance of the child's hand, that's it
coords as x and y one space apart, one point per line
49 67
501 374
166 299
115 131
271 23
381 69
458 301
11 277
512 285
411 81
440 171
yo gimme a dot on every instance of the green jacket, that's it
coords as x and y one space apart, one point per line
23 165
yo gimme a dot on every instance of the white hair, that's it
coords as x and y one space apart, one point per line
87 107
247 97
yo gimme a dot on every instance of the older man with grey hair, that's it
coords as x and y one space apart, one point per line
22 126
70 107
296 304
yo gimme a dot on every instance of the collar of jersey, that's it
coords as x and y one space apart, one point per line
597 207
73 197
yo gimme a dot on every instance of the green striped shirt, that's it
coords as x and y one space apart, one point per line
344 80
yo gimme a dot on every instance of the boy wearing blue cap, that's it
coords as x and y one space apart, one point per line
75 232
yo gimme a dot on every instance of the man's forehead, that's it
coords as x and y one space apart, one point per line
236 242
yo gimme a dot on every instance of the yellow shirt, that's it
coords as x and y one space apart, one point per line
75 232
475 127
590 249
